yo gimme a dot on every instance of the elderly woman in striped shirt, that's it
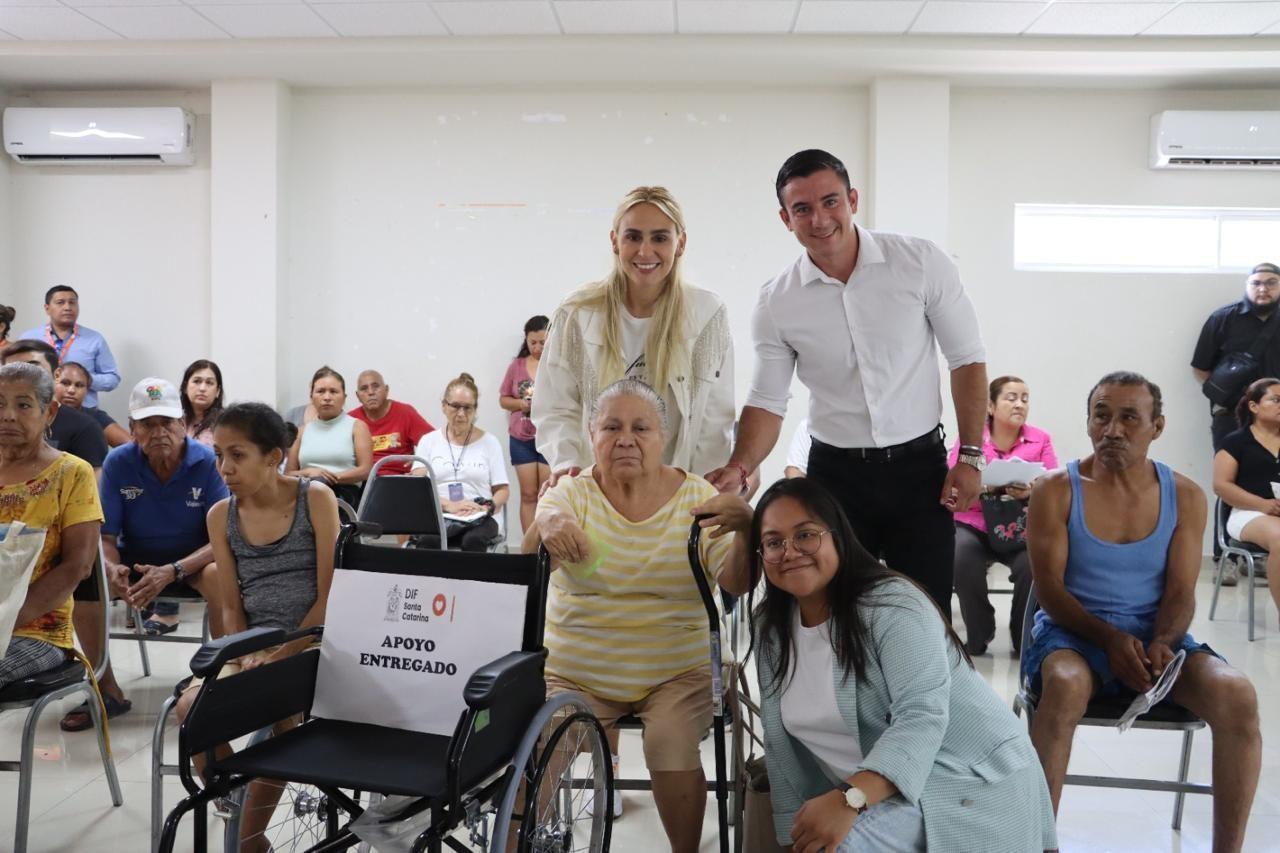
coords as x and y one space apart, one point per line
625 623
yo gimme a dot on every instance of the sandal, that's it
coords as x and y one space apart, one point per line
78 718
154 627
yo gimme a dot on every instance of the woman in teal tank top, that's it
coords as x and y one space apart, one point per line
335 448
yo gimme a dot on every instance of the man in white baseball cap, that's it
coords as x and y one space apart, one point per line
156 491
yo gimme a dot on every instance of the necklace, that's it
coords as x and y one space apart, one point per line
448 442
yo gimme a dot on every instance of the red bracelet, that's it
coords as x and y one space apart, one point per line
742 471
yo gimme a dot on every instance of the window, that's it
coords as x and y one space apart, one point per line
1082 238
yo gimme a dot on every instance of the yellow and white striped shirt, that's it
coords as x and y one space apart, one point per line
636 620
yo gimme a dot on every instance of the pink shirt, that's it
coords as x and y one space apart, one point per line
1032 445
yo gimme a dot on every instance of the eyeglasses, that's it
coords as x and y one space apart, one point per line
807 542
461 407
1268 283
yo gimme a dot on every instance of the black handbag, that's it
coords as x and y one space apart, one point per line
1235 370
1006 520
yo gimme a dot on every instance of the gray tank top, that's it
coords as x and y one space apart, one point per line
277 581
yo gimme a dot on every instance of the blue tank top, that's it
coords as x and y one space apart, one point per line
1111 579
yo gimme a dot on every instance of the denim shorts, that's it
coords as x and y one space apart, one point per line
890 826
1048 637
524 451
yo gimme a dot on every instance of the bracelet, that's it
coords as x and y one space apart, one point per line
742 471
970 450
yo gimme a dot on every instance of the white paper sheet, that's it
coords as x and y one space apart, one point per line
1145 702
19 552
1004 472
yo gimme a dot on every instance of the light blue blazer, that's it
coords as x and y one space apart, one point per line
928 723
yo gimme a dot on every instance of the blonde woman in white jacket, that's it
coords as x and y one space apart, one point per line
641 322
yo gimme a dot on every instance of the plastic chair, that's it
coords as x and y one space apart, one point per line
37 692
1228 547
409 504
1106 712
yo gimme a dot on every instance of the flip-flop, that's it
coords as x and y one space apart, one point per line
78 719
154 627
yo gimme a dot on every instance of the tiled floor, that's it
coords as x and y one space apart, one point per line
71 808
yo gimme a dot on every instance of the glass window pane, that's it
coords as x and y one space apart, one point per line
1248 242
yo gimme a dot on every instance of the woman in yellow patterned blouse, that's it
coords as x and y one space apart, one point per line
625 622
49 489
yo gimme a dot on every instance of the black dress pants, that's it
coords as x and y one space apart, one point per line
894 510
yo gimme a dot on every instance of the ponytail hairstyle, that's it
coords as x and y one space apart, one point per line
463 380
665 351
188 410
536 323
323 372
1253 394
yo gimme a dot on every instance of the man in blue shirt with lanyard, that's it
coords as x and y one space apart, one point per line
156 491
77 343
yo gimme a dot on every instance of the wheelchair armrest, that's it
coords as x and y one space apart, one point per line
498 677
213 654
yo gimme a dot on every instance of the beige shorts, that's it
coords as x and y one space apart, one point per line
676 715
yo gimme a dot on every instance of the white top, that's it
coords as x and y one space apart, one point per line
635 331
865 348
478 466
798 452
809 710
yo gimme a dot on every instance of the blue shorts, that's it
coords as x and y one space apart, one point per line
1048 637
525 452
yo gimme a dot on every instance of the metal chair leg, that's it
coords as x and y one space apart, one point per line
1217 585
1249 561
1184 768
142 643
25 767
157 773
108 764
204 627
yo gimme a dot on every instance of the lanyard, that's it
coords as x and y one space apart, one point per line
449 444
62 347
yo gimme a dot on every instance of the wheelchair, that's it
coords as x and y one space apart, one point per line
517 767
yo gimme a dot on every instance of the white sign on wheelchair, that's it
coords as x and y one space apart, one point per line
398 650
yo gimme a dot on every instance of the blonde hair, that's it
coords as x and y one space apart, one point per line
664 348
464 380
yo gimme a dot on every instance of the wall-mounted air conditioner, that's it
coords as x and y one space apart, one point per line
114 136
1192 139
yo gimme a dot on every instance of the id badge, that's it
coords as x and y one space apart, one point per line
455 491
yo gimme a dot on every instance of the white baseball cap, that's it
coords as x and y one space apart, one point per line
152 398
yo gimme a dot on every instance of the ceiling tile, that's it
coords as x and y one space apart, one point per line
1097 19
856 16
498 17
1216 19
983 17
382 19
156 22
250 22
49 24
592 17
735 16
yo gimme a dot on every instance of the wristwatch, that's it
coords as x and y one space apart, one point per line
854 797
178 572
974 460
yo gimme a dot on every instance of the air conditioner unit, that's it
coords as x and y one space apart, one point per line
1187 139
113 136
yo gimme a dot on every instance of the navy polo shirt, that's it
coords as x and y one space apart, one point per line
154 522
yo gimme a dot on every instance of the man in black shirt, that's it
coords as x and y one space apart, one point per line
1234 329
71 431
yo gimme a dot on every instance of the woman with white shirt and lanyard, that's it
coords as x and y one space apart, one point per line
641 322
469 469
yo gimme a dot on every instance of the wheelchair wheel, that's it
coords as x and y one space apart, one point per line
569 805
298 822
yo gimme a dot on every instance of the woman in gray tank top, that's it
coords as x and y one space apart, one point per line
273 541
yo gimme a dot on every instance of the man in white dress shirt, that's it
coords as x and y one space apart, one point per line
860 317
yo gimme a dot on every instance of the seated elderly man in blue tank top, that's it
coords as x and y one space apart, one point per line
1115 543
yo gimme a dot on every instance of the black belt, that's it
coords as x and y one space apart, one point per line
929 441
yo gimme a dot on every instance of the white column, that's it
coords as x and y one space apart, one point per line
250 120
910 156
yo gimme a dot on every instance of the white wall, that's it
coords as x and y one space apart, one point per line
426 228
1062 331
134 241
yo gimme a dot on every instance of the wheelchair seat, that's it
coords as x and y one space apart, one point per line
33 687
343 754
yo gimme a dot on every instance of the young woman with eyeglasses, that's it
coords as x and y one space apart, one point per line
879 734
468 467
